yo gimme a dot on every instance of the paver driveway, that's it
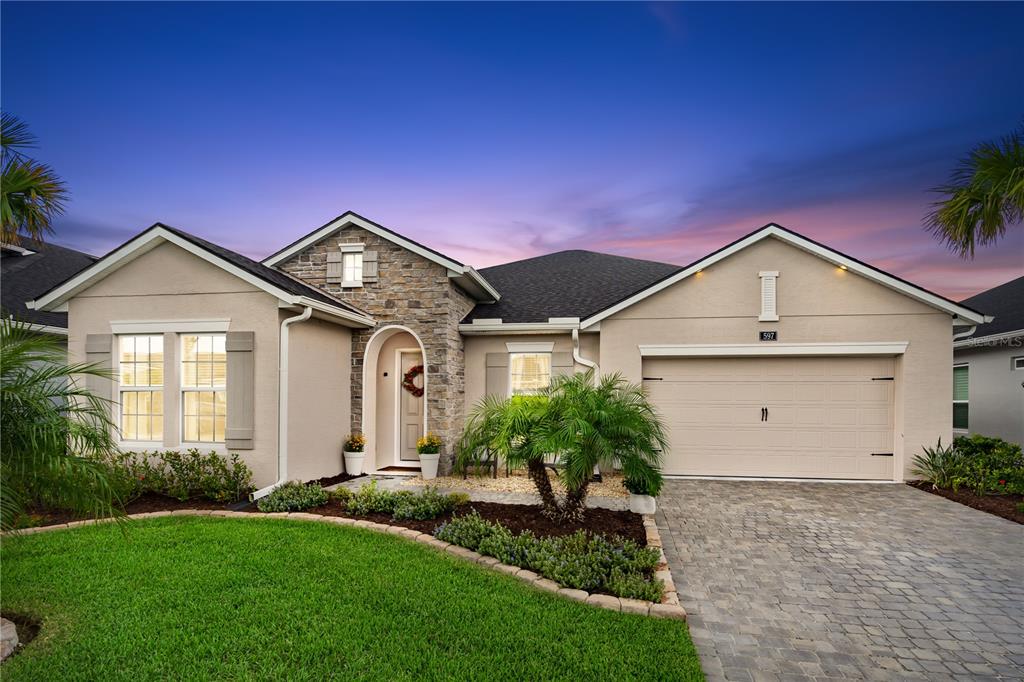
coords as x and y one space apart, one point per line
821 580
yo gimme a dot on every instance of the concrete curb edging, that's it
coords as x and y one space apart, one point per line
668 608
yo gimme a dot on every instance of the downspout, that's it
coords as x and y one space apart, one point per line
964 334
576 352
282 406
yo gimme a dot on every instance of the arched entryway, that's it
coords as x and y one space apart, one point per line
393 418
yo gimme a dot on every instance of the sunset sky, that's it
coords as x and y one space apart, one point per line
493 132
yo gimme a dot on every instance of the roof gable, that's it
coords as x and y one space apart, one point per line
286 288
773 231
468 278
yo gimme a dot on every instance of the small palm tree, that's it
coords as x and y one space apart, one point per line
31 193
52 430
985 195
582 421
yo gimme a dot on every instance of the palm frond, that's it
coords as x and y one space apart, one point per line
984 196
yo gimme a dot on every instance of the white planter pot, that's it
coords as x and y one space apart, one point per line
642 504
428 465
354 463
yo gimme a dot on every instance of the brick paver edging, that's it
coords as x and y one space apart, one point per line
668 608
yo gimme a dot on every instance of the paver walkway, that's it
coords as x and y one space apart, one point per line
848 581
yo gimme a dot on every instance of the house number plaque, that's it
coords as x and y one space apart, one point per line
768 336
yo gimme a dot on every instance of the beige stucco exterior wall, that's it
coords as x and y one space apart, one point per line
817 302
319 398
168 283
477 348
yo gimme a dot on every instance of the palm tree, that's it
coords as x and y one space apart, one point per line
585 422
985 195
31 193
52 430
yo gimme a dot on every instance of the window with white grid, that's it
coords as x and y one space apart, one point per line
204 369
141 387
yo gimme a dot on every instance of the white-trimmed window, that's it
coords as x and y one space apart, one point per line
529 373
141 386
1018 362
961 384
204 368
769 296
352 268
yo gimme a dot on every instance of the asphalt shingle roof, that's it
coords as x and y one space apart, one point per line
23 278
566 284
1005 303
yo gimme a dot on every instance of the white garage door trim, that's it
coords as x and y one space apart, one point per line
745 350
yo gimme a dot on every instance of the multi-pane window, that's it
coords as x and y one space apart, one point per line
352 267
204 369
529 373
960 397
141 380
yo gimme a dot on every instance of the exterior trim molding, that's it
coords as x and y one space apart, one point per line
739 350
157 326
985 340
517 328
840 260
537 347
456 270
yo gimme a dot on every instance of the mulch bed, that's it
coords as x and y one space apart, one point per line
1005 506
327 481
517 518
149 502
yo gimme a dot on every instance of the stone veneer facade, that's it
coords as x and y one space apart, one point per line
410 291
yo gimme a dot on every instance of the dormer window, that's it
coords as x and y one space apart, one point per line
769 296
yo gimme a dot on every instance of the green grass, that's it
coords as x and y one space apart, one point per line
227 599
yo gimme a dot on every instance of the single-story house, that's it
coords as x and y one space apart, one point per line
774 356
988 367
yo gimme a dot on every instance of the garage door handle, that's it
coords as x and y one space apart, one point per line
764 414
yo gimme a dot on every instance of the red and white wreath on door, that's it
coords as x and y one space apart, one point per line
409 381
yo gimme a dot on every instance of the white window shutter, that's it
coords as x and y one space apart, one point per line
769 296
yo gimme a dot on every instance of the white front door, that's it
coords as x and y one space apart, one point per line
410 410
776 417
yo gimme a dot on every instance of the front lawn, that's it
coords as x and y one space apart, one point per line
209 598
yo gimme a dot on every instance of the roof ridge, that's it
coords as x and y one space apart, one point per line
588 251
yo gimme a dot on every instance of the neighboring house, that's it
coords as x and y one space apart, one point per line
774 356
32 268
988 367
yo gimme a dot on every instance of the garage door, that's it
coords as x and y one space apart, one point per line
776 417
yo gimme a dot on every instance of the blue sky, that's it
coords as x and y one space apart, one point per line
500 131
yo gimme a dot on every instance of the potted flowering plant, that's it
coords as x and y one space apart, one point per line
429 449
354 454
643 494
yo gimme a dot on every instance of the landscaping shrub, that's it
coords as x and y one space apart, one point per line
592 563
985 465
182 475
403 504
293 496
644 486
428 504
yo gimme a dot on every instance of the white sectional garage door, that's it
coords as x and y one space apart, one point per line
776 417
